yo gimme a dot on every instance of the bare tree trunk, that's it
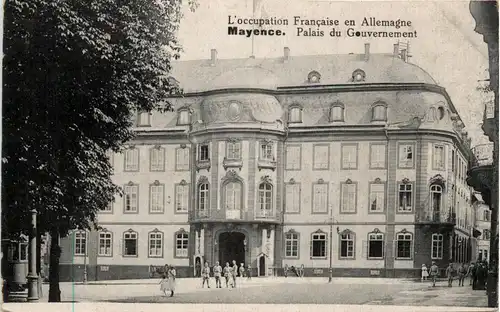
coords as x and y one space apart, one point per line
55 254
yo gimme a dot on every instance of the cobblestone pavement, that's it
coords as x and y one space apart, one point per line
370 291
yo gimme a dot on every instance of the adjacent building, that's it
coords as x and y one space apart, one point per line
262 158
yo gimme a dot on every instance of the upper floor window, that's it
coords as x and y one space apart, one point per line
347 240
295 114
321 156
105 244
379 111
438 157
375 245
130 243
203 152
181 244
377 197
233 195
233 150
292 244
406 155
144 119
349 156
132 159
157 159
184 117
156 195
80 243
318 244
182 159
486 234
293 157
265 196
266 151
348 196
292 198
436 197
437 246
405 197
181 197
377 156
203 197
320 197
130 198
337 112
155 243
404 242
107 208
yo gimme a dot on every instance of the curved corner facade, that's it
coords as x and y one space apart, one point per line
358 161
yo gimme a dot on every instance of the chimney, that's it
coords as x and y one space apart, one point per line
367 52
396 50
403 55
213 57
286 54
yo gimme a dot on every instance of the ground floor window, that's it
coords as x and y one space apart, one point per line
318 245
105 243
347 245
404 242
437 246
375 245
181 244
292 244
130 244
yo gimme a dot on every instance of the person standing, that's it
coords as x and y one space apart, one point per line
425 272
302 270
234 272
206 275
462 271
242 271
449 274
249 272
227 273
217 275
285 270
171 280
469 273
434 273
164 284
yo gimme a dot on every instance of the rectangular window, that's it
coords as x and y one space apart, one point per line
347 246
321 160
144 119
292 199
292 245
375 245
23 252
318 245
107 208
377 156
132 159
320 198
266 151
377 197
349 156
406 155
181 198
203 153
403 245
155 245
157 159
437 246
181 245
293 157
295 114
156 195
233 150
105 244
131 194
130 244
348 203
80 243
182 159
438 157
405 198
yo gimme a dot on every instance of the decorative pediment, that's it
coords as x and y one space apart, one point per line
206 142
292 181
181 231
233 140
183 182
202 180
231 175
131 147
379 103
377 180
403 231
437 179
265 179
130 183
295 105
348 181
129 231
183 146
157 147
320 181
376 231
405 181
268 142
155 230
292 231
337 104
319 231
156 183
346 232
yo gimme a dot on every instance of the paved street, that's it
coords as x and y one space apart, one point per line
369 291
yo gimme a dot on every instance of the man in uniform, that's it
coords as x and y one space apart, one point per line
206 275
434 271
449 274
217 274
227 273
234 272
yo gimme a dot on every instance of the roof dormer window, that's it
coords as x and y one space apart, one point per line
143 119
184 117
358 75
295 114
379 111
337 112
313 77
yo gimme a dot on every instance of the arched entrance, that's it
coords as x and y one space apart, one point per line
232 247
262 266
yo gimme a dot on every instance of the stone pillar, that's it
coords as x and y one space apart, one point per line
197 242
201 243
264 240
271 248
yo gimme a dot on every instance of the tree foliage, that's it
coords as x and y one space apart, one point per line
74 74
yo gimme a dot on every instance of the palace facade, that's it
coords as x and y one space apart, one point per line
356 161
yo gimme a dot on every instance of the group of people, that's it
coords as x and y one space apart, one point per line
230 273
167 282
476 271
297 271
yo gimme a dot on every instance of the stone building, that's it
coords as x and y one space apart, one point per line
262 157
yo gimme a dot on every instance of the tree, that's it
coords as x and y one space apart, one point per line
75 73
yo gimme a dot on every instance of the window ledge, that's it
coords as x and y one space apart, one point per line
267 164
203 164
232 163
375 258
318 258
404 259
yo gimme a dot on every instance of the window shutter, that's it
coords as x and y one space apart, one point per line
365 249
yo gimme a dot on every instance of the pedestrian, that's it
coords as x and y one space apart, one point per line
206 275
217 274
171 280
227 274
302 270
285 270
164 284
449 274
197 268
434 273
462 271
469 273
425 272
234 272
249 272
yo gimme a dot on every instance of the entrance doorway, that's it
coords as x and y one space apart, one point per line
231 247
262 265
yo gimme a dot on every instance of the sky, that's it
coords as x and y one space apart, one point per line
446 45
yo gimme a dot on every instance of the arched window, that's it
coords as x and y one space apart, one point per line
265 197
295 114
337 112
233 192
379 111
203 197
436 199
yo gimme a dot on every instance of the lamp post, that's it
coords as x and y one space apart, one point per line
85 261
330 270
32 275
